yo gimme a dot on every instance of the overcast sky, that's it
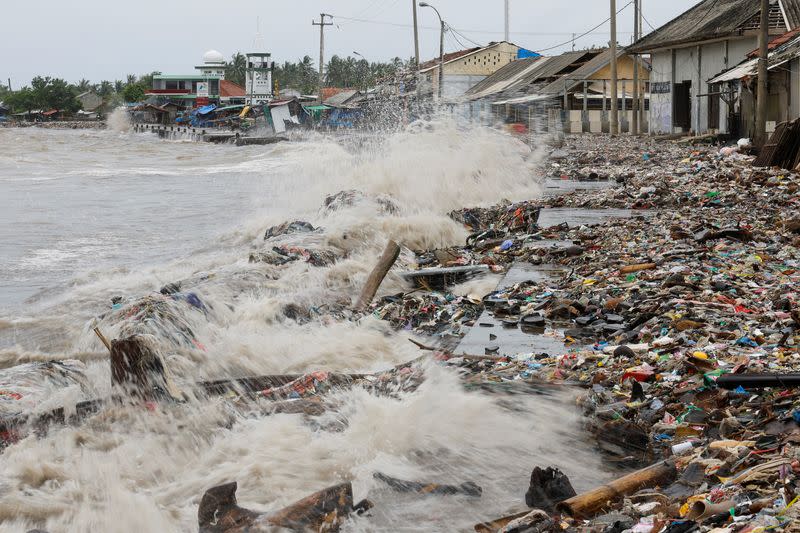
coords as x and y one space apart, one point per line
107 39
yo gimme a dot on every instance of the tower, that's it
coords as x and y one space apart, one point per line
258 78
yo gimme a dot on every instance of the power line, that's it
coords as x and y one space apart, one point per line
465 37
462 31
453 33
647 21
384 22
583 34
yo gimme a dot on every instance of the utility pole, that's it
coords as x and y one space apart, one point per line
614 126
441 47
416 49
441 60
506 14
322 25
416 34
635 107
761 102
643 88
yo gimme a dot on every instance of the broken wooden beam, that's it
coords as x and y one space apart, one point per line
593 502
387 259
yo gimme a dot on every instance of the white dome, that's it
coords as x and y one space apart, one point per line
212 56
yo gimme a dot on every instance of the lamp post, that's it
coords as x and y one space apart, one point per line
441 46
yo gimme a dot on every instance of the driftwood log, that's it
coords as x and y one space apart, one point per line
324 510
387 259
591 503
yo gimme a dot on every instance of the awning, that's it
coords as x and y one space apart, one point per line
230 107
206 109
322 107
50 113
743 70
527 99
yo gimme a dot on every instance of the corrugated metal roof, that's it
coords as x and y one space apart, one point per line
561 64
548 72
533 74
792 11
504 78
577 76
710 19
340 98
745 68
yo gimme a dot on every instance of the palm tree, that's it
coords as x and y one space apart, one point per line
105 88
84 85
236 68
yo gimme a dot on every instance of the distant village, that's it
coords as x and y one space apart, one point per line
682 78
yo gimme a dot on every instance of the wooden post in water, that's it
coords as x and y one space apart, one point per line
387 259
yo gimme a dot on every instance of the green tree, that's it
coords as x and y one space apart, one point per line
236 68
146 80
54 93
133 93
22 100
105 88
83 86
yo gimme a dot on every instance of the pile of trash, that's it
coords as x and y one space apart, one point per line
654 311
681 329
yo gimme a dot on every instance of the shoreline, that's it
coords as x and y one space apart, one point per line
59 125
644 312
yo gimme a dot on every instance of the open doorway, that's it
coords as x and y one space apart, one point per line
682 105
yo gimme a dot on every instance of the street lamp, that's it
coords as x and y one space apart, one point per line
441 46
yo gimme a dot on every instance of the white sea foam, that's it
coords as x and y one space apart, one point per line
128 469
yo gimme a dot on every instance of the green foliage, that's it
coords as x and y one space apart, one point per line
105 88
22 100
236 68
146 80
133 92
47 93
301 75
360 73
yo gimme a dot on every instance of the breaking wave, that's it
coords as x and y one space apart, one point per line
129 469
119 120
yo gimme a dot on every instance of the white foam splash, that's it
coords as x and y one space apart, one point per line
119 120
131 470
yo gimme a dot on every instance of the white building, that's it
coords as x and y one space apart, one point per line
691 49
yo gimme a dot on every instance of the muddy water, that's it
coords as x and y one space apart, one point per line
88 216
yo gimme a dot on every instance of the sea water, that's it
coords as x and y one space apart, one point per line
87 216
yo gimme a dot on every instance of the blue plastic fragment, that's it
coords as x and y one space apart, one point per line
747 341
